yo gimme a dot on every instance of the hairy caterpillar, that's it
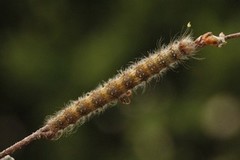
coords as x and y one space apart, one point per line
119 88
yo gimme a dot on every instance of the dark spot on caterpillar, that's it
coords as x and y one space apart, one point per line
98 100
142 73
125 97
174 54
70 118
60 124
152 68
97 111
128 81
161 61
83 110
114 91
66 119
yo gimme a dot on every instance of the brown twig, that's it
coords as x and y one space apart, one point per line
39 134
47 132
231 36
210 39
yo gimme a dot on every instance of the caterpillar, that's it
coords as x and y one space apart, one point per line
120 87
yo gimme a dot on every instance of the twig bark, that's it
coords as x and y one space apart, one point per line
39 134
231 36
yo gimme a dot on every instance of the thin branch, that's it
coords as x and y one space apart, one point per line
168 57
231 36
39 134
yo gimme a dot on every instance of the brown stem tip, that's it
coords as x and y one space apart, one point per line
210 39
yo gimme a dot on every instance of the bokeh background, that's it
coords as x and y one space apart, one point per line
53 51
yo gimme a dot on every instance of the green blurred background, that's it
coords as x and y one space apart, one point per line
53 51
